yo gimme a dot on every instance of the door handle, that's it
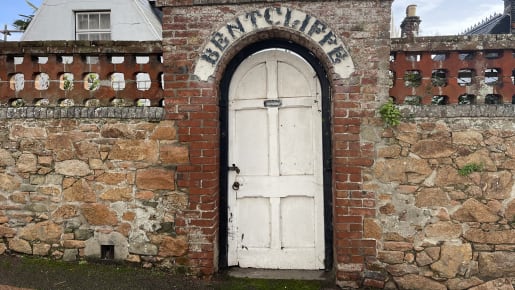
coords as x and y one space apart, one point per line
234 168
236 185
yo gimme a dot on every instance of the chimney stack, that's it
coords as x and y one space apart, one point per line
410 24
509 9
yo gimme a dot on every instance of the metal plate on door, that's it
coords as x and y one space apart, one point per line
273 103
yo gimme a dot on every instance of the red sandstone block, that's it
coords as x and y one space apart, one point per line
203 160
344 121
356 227
347 186
188 168
210 108
362 194
189 138
369 251
348 276
369 203
346 137
188 93
199 191
346 153
202 223
202 130
348 219
175 116
348 235
348 169
355 177
204 116
373 283
365 212
363 243
360 161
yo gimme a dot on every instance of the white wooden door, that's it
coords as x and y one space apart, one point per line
276 218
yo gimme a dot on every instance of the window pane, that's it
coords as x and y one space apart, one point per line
105 36
82 37
105 21
82 21
94 21
94 36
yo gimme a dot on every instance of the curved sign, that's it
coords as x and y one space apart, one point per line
271 17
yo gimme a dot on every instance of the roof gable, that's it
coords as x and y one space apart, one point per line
133 20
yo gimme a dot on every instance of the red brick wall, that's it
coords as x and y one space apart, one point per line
362 25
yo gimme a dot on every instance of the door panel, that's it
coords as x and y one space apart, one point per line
254 222
296 141
275 214
297 222
252 137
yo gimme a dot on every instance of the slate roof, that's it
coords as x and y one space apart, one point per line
496 24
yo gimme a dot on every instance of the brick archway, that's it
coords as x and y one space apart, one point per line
194 103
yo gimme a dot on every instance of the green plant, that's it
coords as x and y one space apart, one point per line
93 81
67 83
412 79
467 169
390 114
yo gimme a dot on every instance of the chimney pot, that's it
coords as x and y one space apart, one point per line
411 10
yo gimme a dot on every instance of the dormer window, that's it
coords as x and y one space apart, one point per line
93 25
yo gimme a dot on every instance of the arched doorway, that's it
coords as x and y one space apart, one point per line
276 196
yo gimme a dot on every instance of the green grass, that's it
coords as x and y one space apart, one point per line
42 273
258 284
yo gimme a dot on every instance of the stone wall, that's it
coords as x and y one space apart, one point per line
74 180
446 198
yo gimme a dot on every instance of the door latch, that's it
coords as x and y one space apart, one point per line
234 168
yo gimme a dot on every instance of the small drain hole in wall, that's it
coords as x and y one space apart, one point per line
107 252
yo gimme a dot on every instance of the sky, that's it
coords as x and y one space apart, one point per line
10 12
446 17
439 17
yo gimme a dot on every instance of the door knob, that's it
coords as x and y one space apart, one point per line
236 185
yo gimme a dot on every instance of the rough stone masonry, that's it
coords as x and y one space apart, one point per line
442 226
69 187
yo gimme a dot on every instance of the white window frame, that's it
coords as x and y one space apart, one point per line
92 33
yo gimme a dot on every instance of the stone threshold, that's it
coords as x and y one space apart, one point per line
313 275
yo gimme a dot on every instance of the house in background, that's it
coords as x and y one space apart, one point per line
497 24
137 20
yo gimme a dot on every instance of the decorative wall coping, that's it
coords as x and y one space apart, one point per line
453 43
80 47
460 111
176 3
146 113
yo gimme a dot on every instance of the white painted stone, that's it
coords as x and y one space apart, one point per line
252 21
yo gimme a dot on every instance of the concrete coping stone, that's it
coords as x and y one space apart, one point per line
146 113
458 111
